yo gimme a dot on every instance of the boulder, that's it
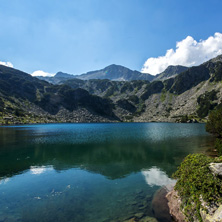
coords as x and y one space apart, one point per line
216 169
174 206
216 217
160 207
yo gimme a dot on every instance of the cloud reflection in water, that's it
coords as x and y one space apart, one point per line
4 181
39 170
156 177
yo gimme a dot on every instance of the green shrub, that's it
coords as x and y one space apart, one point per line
206 103
134 99
217 72
152 88
194 181
110 91
163 95
214 123
126 87
184 119
19 112
140 108
218 146
2 105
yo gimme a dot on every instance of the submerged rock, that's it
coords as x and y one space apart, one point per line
148 219
144 219
160 207
139 215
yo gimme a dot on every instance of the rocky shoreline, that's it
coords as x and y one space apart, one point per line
208 212
77 116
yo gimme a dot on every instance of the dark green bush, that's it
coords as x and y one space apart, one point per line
152 88
19 112
206 103
134 99
218 146
184 119
2 105
217 72
214 123
110 91
189 79
126 87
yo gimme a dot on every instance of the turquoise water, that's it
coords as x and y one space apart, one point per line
90 172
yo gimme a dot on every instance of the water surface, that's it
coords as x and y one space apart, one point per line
90 172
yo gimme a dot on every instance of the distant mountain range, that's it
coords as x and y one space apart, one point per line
116 73
177 94
112 72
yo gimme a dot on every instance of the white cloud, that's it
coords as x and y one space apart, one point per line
9 64
42 73
189 52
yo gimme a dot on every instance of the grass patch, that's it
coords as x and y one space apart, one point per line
163 95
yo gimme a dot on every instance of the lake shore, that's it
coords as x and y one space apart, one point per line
206 207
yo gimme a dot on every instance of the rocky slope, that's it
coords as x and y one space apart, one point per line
170 71
189 96
116 73
25 99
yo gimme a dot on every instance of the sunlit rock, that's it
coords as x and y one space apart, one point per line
216 168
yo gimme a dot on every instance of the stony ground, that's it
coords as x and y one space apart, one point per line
170 108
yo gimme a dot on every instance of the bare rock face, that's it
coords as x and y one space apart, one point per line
209 213
174 205
216 217
214 214
216 169
218 214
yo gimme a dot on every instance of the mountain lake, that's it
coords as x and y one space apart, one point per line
91 172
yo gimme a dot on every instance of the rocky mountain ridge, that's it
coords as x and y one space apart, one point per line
112 72
187 97
170 71
116 73
26 99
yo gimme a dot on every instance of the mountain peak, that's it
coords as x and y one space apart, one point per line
217 59
63 75
116 67
175 69
171 71
116 73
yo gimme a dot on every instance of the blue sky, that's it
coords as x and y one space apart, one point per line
76 36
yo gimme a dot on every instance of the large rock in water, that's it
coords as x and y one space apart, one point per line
160 207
